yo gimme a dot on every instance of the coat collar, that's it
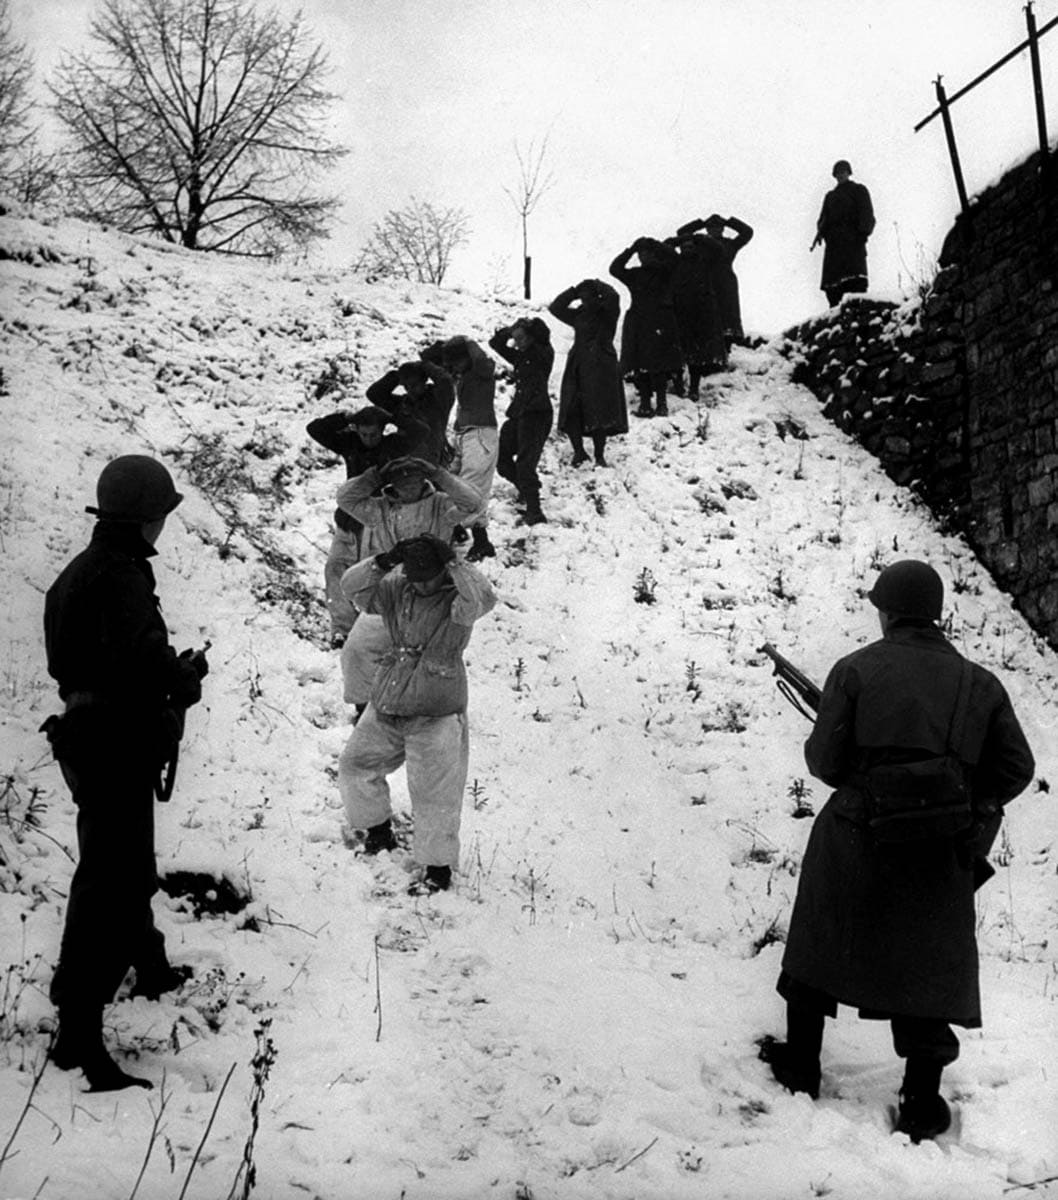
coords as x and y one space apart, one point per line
124 536
910 631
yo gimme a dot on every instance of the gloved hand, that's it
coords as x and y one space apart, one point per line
388 559
186 687
197 658
444 550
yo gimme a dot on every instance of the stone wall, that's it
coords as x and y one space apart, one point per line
957 392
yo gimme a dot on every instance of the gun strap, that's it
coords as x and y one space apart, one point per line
958 716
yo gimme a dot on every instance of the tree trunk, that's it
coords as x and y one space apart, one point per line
527 277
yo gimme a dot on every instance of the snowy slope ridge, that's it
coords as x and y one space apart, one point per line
577 1018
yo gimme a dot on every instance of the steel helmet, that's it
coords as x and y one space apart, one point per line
135 488
909 589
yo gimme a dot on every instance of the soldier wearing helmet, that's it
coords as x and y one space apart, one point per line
886 925
126 691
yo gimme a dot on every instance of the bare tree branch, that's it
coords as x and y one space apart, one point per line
533 184
202 121
16 72
415 242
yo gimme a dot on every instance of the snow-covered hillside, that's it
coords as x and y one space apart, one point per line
577 1019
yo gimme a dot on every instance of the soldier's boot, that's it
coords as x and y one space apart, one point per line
482 547
152 982
378 838
80 1044
533 515
795 1062
580 455
923 1112
434 879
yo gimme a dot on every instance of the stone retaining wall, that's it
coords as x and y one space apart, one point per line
957 393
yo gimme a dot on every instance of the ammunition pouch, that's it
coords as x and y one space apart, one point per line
92 735
916 801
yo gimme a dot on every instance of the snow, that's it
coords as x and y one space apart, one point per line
577 1019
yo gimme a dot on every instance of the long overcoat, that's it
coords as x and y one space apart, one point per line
727 281
591 390
891 929
697 302
846 221
650 340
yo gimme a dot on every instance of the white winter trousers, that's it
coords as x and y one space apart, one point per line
476 450
435 751
364 649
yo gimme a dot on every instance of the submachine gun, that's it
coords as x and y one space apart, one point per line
795 685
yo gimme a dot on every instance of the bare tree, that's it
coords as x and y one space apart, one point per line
16 106
35 175
201 121
532 184
415 242
30 174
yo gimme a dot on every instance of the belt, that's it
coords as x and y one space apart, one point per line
400 652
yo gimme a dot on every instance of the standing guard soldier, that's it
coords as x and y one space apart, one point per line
126 691
845 222
924 750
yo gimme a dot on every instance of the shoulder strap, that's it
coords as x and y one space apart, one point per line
962 703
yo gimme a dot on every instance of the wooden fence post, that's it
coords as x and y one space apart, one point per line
949 134
1037 81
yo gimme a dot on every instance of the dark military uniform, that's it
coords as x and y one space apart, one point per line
529 417
126 692
891 929
591 396
432 408
845 222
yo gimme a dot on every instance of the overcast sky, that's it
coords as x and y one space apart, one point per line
659 111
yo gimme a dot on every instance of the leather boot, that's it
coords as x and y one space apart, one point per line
80 1044
378 838
795 1062
153 981
434 879
923 1113
482 547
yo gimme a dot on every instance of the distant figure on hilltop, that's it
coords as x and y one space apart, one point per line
650 341
592 396
526 345
846 221
725 283
924 751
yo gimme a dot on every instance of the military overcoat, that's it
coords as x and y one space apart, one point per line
891 929
591 381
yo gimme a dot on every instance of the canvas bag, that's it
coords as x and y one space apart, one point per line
928 798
